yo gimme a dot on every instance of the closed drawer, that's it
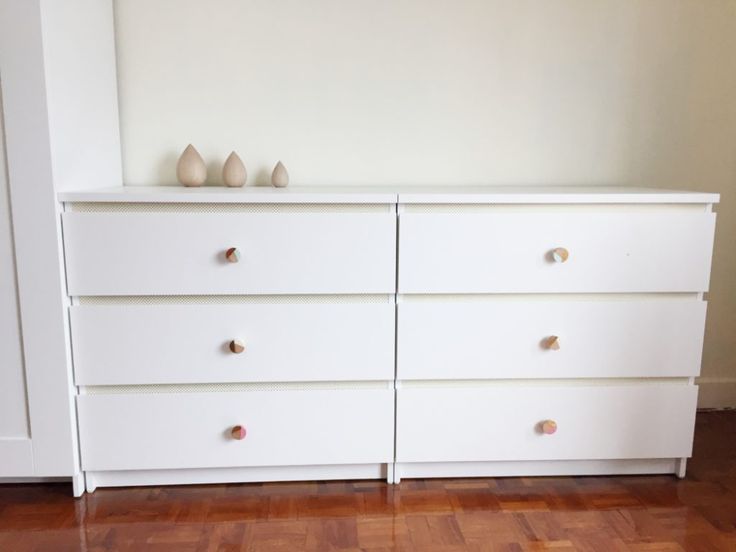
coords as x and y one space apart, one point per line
505 422
512 252
519 338
191 343
185 253
193 430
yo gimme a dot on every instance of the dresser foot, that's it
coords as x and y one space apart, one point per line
681 467
78 485
90 482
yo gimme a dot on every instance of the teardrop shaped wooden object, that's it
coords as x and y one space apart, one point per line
234 174
279 176
191 169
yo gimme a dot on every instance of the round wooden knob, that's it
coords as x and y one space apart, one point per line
232 255
236 346
560 254
552 343
549 427
238 433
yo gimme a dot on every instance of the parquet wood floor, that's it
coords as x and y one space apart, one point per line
639 513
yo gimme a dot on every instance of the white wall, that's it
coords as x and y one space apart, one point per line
433 91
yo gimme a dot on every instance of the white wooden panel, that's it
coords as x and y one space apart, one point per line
548 194
504 252
247 194
16 457
172 253
13 406
81 92
411 194
189 343
507 338
169 431
36 232
501 423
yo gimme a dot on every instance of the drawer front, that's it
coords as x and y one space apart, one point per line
505 423
185 253
512 252
516 339
191 343
193 430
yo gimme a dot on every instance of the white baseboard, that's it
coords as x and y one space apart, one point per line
535 468
12 480
716 392
96 479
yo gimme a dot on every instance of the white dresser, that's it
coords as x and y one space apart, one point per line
262 334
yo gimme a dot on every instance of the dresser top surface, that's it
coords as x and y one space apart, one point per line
388 194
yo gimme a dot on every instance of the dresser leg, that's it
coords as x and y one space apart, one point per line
390 474
681 467
397 474
90 482
78 486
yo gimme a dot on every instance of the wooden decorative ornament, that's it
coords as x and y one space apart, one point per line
238 432
191 169
279 176
553 343
232 255
549 427
560 254
234 174
236 346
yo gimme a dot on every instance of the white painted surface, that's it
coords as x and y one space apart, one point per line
135 344
170 254
169 431
510 252
126 478
447 339
81 93
501 423
14 422
543 468
37 235
390 194
464 92
16 456
212 194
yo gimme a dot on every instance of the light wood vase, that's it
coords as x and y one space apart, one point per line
191 169
234 174
279 176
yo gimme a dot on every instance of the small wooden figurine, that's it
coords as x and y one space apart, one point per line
191 169
279 176
234 174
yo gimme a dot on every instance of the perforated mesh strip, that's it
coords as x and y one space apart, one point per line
230 299
110 207
234 387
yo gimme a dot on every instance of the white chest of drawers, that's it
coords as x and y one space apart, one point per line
386 332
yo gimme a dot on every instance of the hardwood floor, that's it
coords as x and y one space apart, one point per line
582 513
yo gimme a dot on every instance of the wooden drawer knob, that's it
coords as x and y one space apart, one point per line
560 254
238 433
552 343
236 346
549 427
232 255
